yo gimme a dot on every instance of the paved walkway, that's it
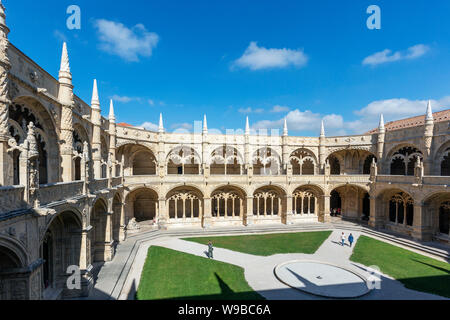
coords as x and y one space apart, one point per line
259 271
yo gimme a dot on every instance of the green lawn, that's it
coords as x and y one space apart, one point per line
415 271
170 274
269 244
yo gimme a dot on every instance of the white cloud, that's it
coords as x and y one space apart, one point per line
400 108
257 58
178 126
151 102
60 36
368 117
250 110
386 55
124 99
277 109
116 39
149 126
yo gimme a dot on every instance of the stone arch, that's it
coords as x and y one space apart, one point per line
100 239
306 200
395 207
436 206
104 153
351 199
335 164
349 160
442 160
80 135
16 252
128 152
60 248
269 201
26 109
185 203
402 159
304 162
266 161
228 201
142 204
226 160
183 160
117 206
13 260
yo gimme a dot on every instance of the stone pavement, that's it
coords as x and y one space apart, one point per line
259 271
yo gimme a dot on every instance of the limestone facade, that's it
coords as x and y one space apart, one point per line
73 182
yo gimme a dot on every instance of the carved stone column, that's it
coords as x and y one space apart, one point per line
6 177
325 214
65 96
287 214
421 230
249 217
207 217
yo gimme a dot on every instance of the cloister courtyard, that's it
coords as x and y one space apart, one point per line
272 265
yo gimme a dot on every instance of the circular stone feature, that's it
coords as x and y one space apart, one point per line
322 279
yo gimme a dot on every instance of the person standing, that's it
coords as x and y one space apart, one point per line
210 249
343 239
351 239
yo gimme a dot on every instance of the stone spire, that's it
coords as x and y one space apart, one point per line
429 117
247 127
285 129
95 102
322 129
5 66
65 65
205 125
112 117
161 124
65 97
381 127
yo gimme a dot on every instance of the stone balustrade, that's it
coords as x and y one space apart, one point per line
59 191
99 184
11 199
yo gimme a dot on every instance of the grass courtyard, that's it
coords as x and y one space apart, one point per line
415 271
269 244
170 274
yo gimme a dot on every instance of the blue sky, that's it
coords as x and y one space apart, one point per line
304 60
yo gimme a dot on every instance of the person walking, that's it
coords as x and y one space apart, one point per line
210 250
343 239
351 239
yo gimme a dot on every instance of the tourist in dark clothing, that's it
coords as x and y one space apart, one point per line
351 239
210 250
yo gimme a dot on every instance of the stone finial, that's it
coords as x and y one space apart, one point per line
247 127
112 117
205 125
3 16
95 102
65 65
86 151
322 130
32 144
381 127
161 124
429 117
285 128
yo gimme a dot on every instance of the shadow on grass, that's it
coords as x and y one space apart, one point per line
226 294
432 266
